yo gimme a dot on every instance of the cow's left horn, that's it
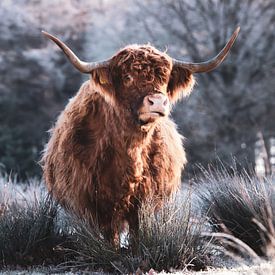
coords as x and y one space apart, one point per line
84 67
212 63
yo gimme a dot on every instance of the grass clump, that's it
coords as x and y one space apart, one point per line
170 238
27 234
241 212
90 251
29 231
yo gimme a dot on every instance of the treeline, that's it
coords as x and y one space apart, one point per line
229 111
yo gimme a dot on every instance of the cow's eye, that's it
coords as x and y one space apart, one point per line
128 79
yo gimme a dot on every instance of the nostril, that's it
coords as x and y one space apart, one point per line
150 101
165 102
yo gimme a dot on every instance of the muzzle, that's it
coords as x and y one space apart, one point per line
154 106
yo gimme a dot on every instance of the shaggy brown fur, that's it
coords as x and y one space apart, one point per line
101 160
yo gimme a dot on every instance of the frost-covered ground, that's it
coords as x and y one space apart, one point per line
265 268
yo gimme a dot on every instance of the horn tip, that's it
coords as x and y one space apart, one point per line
46 34
50 36
237 30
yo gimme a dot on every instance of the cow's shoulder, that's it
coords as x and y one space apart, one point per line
80 130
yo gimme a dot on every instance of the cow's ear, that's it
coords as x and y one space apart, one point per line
103 80
101 77
180 84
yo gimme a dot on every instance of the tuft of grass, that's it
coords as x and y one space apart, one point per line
241 212
90 251
170 238
30 224
28 235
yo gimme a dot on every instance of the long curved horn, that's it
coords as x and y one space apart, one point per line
212 63
84 67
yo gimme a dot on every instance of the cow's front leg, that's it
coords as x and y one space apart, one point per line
133 221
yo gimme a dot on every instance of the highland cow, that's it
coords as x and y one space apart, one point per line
114 145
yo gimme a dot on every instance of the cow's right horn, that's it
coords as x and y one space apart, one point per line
84 67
